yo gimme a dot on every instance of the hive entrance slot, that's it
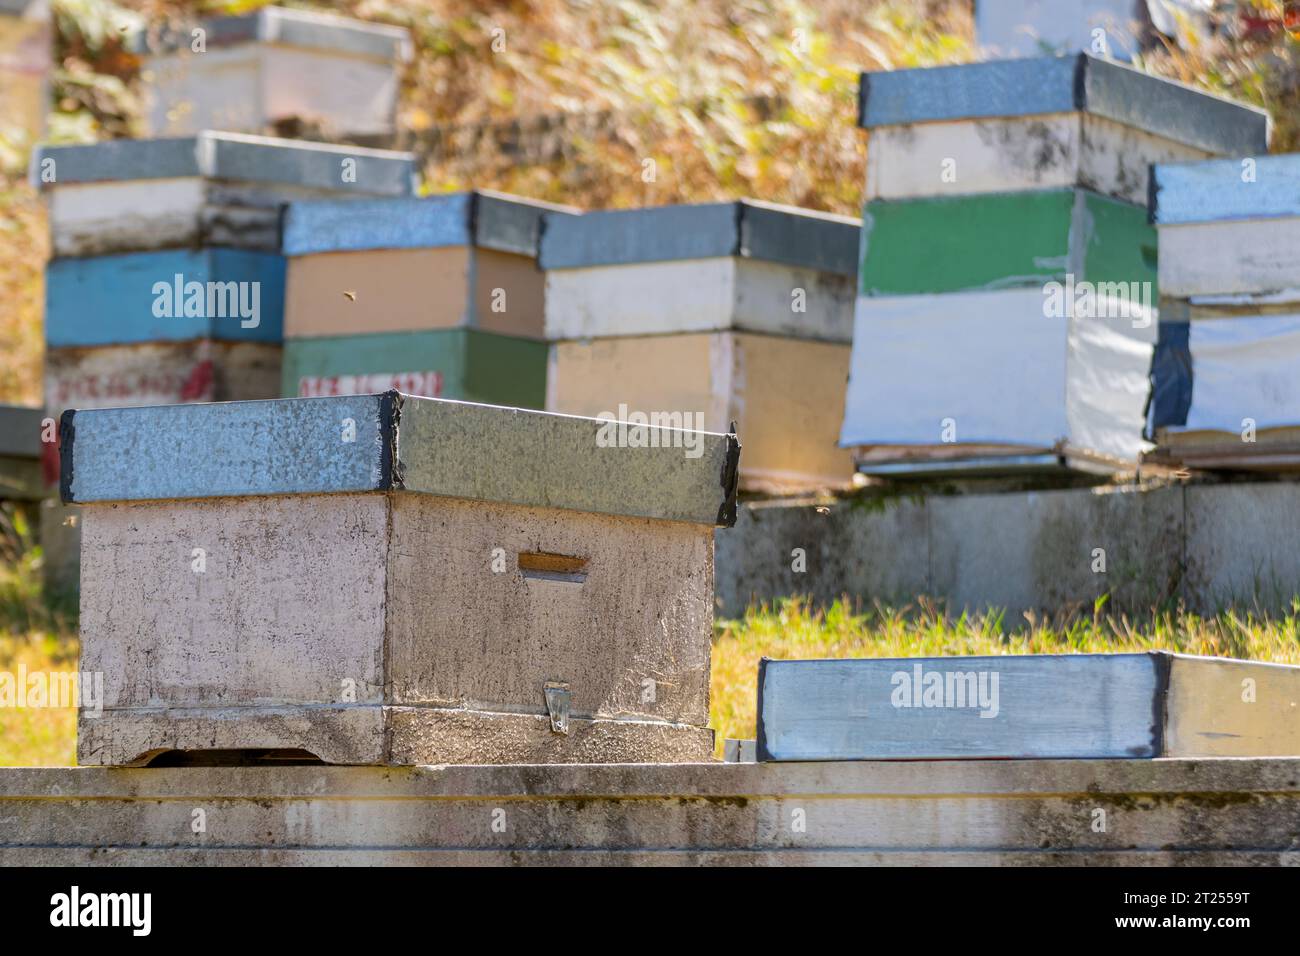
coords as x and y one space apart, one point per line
235 758
546 566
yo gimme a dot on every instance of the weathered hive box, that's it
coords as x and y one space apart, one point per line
732 312
1031 352
386 579
267 70
1226 393
22 468
1070 705
26 45
440 296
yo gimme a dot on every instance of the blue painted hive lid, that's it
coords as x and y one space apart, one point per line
483 218
228 156
746 228
394 442
1253 187
1062 84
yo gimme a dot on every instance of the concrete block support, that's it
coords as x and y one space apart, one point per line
1003 812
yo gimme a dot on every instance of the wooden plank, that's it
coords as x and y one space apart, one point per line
171 295
1248 256
1043 85
1015 153
1256 187
698 295
1084 705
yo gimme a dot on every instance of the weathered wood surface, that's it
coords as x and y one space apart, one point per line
468 365
390 442
1236 257
150 297
748 228
1061 84
424 623
699 295
1031 812
786 395
1013 153
1084 705
1071 705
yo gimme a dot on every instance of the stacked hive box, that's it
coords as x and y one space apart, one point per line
440 297
387 579
1226 388
167 282
1090 706
275 71
25 51
732 312
1006 313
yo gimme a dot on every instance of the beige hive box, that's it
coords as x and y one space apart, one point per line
733 312
381 579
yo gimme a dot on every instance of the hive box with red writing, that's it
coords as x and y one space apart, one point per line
439 296
381 579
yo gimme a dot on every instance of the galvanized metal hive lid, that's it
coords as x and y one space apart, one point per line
746 228
396 442
20 431
299 28
1216 190
489 220
228 156
1062 84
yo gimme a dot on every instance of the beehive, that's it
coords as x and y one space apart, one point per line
21 453
1039 706
439 296
1225 389
729 312
1007 302
386 579
272 70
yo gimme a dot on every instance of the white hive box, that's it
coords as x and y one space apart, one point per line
734 312
392 580
1226 393
262 71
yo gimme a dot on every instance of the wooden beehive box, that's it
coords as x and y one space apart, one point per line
1016 706
728 311
274 69
1226 394
439 296
1007 302
386 579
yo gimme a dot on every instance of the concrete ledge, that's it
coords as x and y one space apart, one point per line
1123 812
1207 546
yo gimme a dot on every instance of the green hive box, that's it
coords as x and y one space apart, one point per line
463 364
1003 241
